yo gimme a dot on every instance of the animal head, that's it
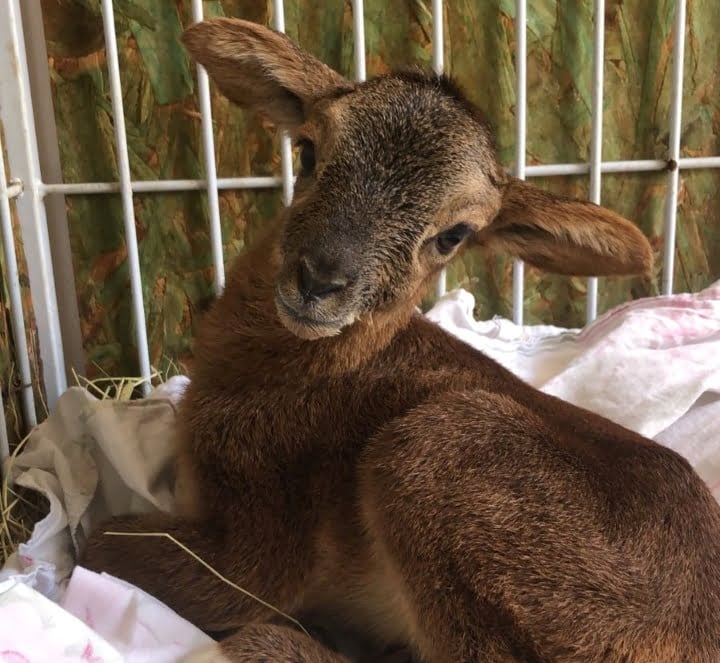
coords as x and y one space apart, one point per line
397 174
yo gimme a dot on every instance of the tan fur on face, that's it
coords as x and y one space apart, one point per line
475 201
323 127
390 479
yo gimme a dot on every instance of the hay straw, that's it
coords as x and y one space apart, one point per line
107 388
10 525
217 574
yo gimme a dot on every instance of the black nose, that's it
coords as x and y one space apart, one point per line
316 281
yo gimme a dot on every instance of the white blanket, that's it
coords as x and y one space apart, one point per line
652 365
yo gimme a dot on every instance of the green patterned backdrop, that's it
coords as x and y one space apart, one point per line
163 126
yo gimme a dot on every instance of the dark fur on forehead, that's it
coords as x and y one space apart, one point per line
422 78
449 87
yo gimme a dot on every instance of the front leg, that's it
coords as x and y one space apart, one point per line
166 571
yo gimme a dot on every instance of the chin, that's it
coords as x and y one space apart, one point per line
307 328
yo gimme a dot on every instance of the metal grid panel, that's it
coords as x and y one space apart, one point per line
23 158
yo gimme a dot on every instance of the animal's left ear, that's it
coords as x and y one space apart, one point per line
260 69
565 236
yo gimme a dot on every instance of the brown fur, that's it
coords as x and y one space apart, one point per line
384 476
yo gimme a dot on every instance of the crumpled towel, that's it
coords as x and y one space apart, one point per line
93 459
33 629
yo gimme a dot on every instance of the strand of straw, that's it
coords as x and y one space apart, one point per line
5 506
217 574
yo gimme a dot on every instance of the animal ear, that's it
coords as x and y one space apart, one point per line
566 236
261 69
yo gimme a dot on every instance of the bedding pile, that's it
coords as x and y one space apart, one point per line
652 365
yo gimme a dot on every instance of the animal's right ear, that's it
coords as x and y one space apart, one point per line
261 69
565 235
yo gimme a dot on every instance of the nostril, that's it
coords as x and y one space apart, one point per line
313 286
304 278
324 289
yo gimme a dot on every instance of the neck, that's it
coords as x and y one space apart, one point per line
243 330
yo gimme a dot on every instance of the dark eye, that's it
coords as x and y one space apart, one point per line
448 240
307 157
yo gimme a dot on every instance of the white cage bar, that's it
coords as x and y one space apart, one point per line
358 15
285 144
29 189
208 138
438 65
123 164
674 148
17 316
518 280
268 182
591 305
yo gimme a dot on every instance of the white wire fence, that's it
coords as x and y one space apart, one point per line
22 182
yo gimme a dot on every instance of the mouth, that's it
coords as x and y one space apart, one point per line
305 326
